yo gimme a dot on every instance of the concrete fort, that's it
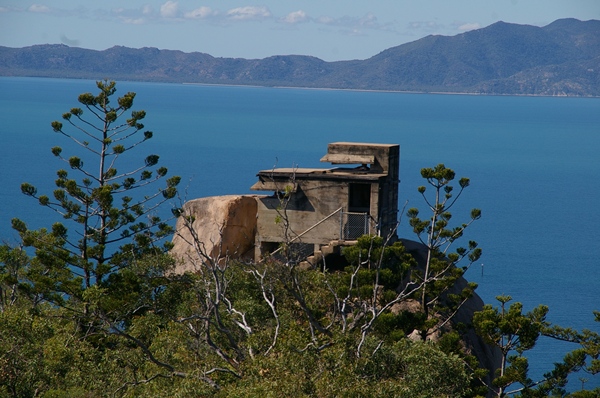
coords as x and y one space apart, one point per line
315 212
309 209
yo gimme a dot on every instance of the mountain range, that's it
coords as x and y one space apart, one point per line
560 59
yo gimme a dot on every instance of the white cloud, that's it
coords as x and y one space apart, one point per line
352 25
129 16
249 13
38 8
147 10
295 17
352 32
368 21
469 26
200 13
326 20
169 9
133 21
425 26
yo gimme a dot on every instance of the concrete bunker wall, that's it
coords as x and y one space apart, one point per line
313 211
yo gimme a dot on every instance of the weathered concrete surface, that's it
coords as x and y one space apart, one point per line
317 199
224 225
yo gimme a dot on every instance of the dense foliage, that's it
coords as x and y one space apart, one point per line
171 349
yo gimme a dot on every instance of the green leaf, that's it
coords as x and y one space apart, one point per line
75 162
56 126
151 160
87 99
28 189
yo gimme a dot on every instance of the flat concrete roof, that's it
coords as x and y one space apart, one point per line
367 144
349 153
283 175
312 172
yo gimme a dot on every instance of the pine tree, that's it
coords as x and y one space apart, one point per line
441 270
105 226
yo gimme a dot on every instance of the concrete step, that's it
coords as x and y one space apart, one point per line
312 261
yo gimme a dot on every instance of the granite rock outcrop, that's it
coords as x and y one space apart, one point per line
223 226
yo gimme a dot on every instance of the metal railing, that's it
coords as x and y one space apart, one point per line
352 226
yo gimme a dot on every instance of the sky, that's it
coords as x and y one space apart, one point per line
328 29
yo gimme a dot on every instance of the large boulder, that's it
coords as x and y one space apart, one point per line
222 226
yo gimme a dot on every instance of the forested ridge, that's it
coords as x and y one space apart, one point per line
91 306
560 59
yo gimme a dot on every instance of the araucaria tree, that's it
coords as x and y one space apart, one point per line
442 268
107 226
515 333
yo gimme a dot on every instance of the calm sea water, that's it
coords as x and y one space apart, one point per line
533 163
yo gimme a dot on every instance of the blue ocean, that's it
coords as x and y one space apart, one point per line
533 162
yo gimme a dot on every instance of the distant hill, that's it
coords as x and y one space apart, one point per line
562 58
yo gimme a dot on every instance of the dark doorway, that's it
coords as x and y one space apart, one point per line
357 217
359 200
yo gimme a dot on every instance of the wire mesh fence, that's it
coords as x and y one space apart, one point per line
354 225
